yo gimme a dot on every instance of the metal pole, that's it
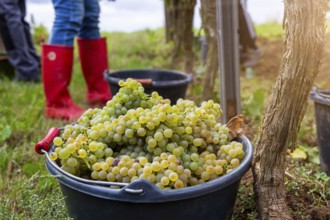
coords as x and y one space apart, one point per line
228 43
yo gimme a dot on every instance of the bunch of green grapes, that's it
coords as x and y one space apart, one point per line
140 136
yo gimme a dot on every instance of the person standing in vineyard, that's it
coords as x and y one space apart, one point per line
74 18
250 52
17 39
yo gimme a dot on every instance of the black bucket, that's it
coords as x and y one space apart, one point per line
322 115
142 200
169 84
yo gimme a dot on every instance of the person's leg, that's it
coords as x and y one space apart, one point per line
27 31
247 35
68 20
93 55
90 24
57 60
13 35
250 52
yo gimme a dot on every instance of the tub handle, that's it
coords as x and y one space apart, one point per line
145 82
134 191
315 92
46 142
142 187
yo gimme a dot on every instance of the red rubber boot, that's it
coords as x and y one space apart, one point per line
57 62
94 61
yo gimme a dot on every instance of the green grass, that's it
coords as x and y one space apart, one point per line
269 30
27 189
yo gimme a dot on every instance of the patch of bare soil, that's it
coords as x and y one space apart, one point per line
320 213
270 60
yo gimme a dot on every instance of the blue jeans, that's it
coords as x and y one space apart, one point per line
75 18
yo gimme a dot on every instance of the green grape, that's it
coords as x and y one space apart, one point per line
129 133
136 166
95 175
53 156
104 166
234 162
122 163
108 152
72 162
158 136
131 172
58 141
141 132
121 83
71 148
157 151
96 166
172 166
173 176
143 160
92 158
93 147
197 142
155 166
163 156
117 137
109 161
205 176
194 157
147 170
218 170
188 130
177 152
210 169
99 154
151 178
232 153
171 158
178 184
170 147
64 154
94 135
115 170
111 177
168 133
194 166
164 164
123 171
102 175
150 125
164 180
152 143
162 143
100 146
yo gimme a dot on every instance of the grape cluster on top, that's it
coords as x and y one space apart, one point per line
140 136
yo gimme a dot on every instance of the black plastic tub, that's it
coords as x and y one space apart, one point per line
142 200
322 115
169 84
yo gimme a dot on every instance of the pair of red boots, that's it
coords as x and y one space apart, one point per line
57 64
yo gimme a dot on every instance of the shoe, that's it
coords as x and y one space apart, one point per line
57 62
250 57
94 62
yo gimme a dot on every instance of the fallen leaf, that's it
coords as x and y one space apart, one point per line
298 154
235 125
